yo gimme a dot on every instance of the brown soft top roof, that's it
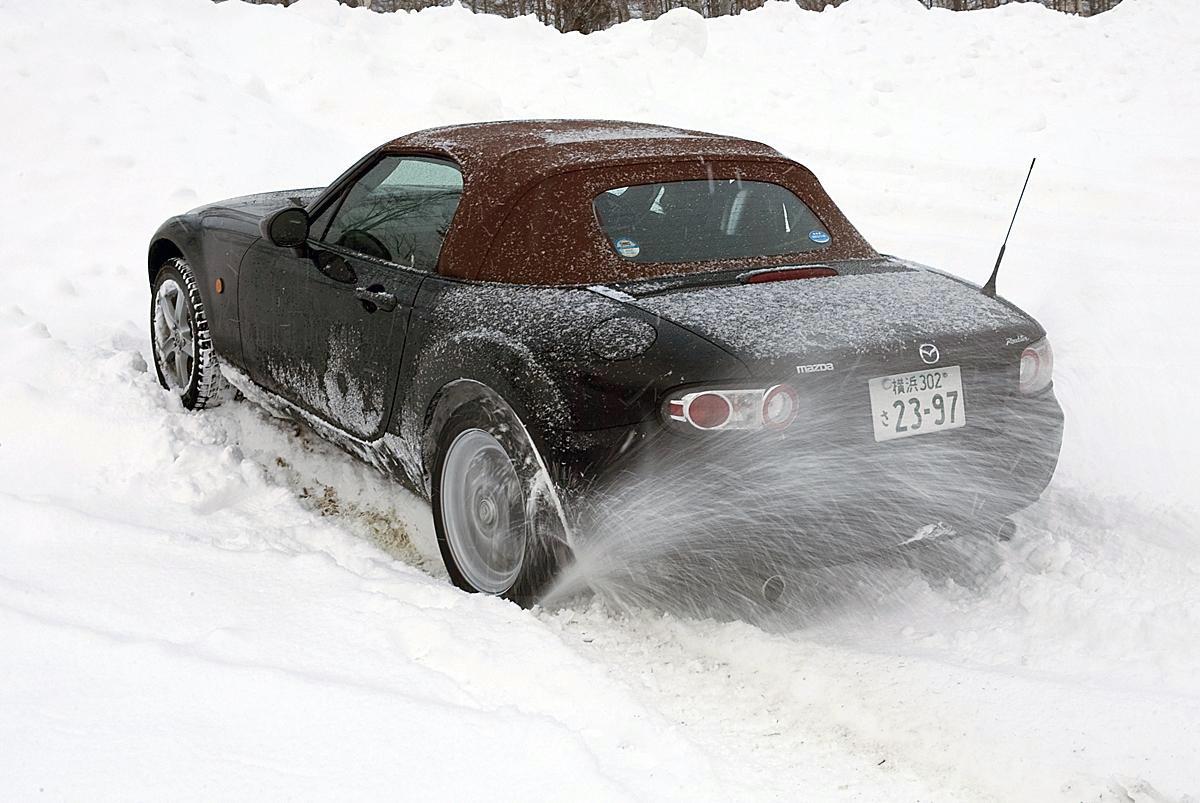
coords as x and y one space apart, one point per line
557 145
503 163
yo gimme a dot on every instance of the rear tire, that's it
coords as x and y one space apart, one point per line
499 528
184 358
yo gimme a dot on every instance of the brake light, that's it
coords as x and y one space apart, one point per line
707 411
1037 367
786 274
750 408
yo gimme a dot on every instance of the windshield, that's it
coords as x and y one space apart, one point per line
698 221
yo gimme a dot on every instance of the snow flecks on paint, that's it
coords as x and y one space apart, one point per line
858 312
511 317
336 392
393 456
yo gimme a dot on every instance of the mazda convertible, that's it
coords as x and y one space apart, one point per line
513 319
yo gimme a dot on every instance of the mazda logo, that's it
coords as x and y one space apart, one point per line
930 353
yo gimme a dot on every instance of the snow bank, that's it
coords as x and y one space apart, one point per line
205 605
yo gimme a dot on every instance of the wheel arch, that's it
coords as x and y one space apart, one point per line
457 394
502 373
162 249
458 403
179 237
446 401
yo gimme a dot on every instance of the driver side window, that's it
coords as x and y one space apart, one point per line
399 211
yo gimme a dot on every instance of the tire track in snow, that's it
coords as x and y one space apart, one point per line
1036 669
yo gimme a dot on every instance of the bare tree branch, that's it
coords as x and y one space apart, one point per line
587 16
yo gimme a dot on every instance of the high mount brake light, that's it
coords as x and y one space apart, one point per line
786 274
1037 367
751 408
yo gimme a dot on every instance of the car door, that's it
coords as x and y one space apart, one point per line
325 327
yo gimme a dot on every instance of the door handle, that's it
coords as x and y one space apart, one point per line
375 297
335 267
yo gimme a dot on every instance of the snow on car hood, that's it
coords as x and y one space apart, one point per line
858 312
259 204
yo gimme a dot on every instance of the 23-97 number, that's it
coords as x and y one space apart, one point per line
946 408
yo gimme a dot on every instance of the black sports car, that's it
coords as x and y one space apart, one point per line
511 318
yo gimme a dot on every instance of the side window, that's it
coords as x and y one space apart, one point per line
399 211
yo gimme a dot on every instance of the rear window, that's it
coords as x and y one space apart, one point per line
702 220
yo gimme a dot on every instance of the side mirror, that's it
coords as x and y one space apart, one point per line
286 228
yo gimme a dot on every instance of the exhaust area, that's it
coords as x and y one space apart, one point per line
749 527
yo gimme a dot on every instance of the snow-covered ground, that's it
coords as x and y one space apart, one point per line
213 606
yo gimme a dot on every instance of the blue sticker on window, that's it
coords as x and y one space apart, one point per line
818 236
627 247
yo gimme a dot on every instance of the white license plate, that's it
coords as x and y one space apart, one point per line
917 403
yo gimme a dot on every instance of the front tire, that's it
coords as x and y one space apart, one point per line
497 529
184 358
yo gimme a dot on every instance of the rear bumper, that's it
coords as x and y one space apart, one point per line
840 492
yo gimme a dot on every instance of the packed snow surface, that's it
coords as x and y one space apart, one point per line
218 606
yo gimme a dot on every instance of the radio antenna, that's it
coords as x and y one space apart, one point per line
989 289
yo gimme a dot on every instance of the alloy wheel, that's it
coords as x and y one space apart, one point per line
483 511
174 335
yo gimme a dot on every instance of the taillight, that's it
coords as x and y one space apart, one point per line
742 408
779 407
1037 367
707 410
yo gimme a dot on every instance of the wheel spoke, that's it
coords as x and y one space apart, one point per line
181 368
162 338
187 344
167 362
180 309
168 312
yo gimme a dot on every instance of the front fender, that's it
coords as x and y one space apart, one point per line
174 239
213 245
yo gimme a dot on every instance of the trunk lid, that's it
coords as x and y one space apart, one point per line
875 310
829 336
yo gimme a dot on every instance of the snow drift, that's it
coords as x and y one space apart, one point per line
216 606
